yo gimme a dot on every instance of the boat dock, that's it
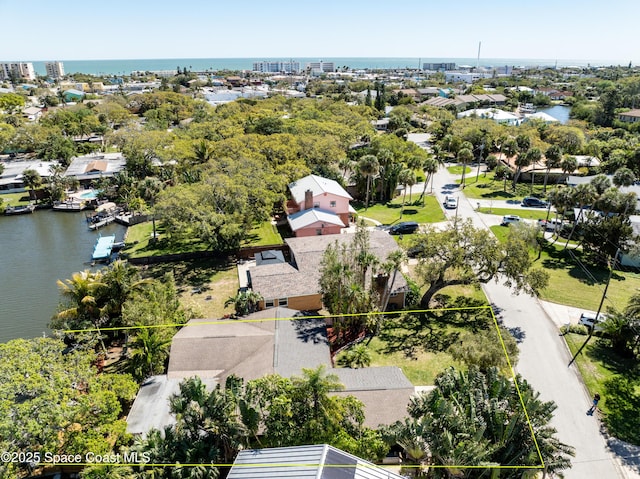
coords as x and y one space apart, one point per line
20 210
103 247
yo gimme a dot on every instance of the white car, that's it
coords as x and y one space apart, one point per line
451 202
509 219
591 321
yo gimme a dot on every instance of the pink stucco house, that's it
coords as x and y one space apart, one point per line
318 206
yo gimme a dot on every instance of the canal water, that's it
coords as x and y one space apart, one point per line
35 251
559 112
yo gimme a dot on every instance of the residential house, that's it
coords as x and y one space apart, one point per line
499 116
89 168
32 113
295 284
318 461
318 206
630 116
274 341
11 179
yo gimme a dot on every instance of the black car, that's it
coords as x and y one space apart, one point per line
532 202
407 227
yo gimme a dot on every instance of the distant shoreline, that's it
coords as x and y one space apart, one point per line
126 66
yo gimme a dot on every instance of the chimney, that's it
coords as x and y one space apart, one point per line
308 200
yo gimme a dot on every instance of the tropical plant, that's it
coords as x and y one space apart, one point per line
553 157
244 302
369 166
406 178
149 352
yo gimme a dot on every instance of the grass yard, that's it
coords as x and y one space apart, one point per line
14 199
262 235
570 284
540 214
488 187
597 364
203 285
420 369
139 244
457 170
389 213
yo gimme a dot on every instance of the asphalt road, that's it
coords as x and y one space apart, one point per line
544 358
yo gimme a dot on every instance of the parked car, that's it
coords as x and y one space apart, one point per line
509 219
591 321
550 225
533 202
451 202
406 227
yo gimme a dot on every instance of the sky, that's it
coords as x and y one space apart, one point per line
586 30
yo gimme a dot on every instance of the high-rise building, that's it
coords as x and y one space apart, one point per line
18 70
321 67
437 67
276 67
55 70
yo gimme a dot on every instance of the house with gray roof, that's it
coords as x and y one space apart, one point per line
295 284
318 461
92 167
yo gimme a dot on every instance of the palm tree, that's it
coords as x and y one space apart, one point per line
32 180
203 151
583 195
553 156
535 155
84 294
244 302
623 177
601 183
522 161
568 165
406 178
465 155
150 349
369 167
430 168
385 158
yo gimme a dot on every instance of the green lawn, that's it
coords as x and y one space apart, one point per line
262 235
389 213
14 199
139 244
522 213
569 283
487 188
457 170
598 363
421 369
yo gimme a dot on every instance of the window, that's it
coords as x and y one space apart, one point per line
283 302
319 232
316 205
268 303
332 204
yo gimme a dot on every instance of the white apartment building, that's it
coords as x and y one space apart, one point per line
321 67
17 69
54 70
276 67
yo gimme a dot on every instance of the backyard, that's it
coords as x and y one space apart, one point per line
487 187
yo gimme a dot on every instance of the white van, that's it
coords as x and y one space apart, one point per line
509 219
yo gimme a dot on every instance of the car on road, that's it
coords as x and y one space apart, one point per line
450 202
510 219
406 227
533 202
590 320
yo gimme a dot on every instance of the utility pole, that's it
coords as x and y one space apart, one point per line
612 262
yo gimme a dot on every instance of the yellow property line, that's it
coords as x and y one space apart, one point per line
296 318
473 308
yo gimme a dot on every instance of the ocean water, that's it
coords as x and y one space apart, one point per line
125 67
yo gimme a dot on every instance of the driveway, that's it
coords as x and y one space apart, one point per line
544 360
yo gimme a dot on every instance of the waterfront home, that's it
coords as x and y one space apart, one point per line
318 206
92 167
11 178
499 116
